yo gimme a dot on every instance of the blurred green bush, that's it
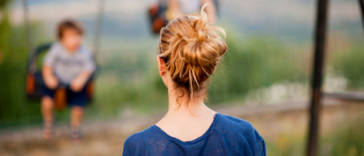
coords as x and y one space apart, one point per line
350 64
14 108
249 65
347 140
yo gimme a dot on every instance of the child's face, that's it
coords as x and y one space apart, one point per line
71 39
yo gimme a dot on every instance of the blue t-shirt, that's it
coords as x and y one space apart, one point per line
226 136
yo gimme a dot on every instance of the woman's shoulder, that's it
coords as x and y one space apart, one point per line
236 128
235 122
143 141
137 138
134 143
233 126
144 137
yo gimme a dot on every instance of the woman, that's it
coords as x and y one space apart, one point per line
189 52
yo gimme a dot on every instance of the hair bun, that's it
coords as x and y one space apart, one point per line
191 49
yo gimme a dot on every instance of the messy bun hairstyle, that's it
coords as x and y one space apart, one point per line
191 49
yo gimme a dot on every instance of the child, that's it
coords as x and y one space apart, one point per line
67 62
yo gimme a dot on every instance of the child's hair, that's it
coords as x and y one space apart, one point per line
191 49
68 24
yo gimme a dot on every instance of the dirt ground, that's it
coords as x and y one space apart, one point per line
106 138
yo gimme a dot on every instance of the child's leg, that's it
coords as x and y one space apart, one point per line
47 112
76 116
77 101
76 119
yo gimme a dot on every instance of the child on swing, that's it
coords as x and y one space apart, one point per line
67 62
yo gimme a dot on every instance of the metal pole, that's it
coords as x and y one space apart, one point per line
320 40
361 4
98 28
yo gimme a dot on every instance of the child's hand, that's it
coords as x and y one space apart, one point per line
78 83
51 82
49 79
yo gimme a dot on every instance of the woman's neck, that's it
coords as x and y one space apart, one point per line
186 119
184 106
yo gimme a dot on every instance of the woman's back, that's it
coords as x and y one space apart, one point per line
226 136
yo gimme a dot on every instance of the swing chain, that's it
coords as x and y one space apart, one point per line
32 67
98 27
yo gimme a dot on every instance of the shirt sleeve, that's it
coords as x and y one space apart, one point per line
130 147
261 143
50 57
253 139
90 64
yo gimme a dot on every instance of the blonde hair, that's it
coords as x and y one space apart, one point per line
191 49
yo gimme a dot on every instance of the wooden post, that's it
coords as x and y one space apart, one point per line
361 5
317 75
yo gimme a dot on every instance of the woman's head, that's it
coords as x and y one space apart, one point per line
190 50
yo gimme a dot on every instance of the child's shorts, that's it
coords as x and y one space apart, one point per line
73 98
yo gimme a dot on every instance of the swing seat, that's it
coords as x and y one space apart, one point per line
35 81
157 19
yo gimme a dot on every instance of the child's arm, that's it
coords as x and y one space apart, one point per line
78 83
50 80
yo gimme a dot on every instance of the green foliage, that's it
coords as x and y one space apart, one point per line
13 58
14 108
346 141
350 63
3 3
258 63
286 145
132 80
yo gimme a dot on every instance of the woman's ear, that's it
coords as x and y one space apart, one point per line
161 66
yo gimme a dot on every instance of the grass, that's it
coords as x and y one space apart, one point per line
346 140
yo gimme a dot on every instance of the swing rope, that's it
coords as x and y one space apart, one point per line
29 42
98 28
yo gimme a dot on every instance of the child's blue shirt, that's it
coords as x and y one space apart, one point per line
227 136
